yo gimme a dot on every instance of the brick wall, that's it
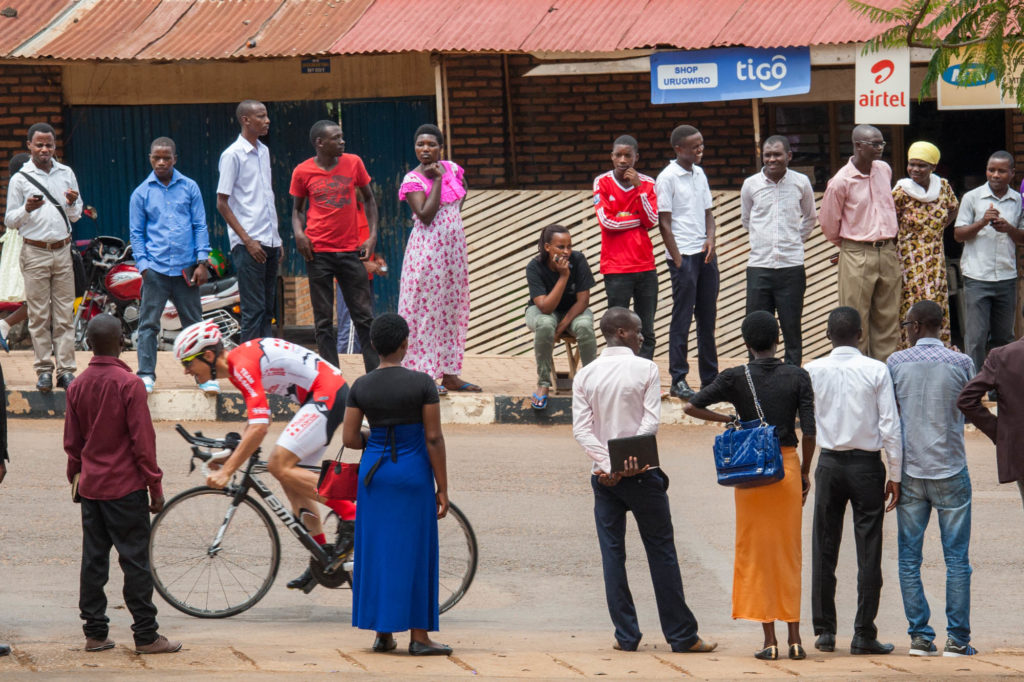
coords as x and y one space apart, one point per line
297 309
28 94
564 125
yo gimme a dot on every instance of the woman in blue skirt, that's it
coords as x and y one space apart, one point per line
394 581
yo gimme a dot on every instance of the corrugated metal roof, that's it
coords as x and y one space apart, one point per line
33 16
306 27
222 29
213 29
693 24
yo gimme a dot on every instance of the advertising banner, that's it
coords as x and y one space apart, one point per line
954 93
729 73
883 87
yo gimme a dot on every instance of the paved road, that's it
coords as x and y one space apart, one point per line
536 609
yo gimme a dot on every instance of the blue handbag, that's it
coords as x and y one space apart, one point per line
747 454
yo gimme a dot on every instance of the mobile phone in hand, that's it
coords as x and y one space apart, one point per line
188 273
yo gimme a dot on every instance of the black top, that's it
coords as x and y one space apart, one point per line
390 396
784 392
543 279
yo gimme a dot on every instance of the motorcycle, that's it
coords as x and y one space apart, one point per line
114 286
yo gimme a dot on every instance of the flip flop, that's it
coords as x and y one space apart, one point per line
441 390
539 402
468 388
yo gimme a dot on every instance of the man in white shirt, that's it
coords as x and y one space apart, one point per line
777 210
46 264
688 230
618 395
245 199
988 224
855 413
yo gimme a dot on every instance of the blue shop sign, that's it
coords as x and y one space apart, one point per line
729 73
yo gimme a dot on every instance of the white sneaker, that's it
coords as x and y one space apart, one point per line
210 387
148 383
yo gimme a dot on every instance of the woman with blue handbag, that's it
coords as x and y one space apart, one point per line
766 570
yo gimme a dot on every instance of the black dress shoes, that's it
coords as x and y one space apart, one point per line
384 643
5 649
826 642
64 380
420 649
45 383
867 647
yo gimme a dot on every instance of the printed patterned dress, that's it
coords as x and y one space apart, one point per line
433 293
923 260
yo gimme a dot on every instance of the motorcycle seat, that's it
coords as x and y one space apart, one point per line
217 286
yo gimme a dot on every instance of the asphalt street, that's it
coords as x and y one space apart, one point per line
536 609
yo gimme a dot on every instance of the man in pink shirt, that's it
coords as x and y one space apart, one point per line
858 215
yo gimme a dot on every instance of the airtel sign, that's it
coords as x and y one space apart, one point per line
883 82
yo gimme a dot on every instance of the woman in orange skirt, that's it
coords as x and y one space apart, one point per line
766 569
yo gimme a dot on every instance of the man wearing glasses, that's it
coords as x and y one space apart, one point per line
858 215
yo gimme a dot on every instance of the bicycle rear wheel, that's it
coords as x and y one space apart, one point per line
457 552
204 576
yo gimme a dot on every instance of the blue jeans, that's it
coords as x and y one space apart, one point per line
951 498
644 495
257 288
156 289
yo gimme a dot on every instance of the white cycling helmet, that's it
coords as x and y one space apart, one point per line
196 338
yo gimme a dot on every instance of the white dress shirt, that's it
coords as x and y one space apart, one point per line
245 179
45 224
990 256
686 195
779 217
618 395
855 406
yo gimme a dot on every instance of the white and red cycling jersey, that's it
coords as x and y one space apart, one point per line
274 366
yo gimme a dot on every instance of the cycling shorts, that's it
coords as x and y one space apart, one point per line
310 431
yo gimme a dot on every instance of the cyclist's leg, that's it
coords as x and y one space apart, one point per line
303 442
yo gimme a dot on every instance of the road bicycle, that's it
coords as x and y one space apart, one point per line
215 553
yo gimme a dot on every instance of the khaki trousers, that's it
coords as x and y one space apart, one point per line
50 296
870 281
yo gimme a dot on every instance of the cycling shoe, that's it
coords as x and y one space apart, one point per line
305 582
345 535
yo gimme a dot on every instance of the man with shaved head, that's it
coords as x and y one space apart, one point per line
245 199
928 378
859 216
618 395
111 448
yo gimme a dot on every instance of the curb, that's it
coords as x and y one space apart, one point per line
191 405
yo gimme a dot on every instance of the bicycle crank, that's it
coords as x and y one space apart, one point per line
331 580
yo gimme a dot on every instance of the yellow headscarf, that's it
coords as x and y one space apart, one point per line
924 151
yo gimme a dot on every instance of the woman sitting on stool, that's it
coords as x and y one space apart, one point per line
560 281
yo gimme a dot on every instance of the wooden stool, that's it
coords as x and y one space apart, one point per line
563 380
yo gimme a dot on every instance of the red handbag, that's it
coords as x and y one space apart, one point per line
338 480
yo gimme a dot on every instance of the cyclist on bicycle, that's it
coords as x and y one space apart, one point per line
271 365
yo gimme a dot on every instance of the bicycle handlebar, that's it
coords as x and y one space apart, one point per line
229 441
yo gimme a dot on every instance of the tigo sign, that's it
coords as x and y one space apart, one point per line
730 73
883 85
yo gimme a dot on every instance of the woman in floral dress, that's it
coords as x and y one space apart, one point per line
925 205
434 289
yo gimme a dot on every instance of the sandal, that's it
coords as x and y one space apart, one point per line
769 653
539 402
467 387
441 390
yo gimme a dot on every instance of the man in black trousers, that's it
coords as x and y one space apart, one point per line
855 413
618 395
111 447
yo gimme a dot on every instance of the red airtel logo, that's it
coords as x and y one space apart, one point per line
884 68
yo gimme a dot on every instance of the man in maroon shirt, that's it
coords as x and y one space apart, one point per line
111 446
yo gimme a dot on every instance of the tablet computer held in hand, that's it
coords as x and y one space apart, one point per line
644 448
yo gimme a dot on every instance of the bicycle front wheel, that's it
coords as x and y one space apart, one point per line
211 559
457 552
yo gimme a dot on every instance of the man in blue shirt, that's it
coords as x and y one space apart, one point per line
928 378
171 245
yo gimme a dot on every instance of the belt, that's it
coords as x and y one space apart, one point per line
49 246
845 453
879 244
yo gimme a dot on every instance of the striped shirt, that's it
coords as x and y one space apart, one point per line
779 217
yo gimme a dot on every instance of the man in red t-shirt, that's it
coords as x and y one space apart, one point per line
327 236
626 209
